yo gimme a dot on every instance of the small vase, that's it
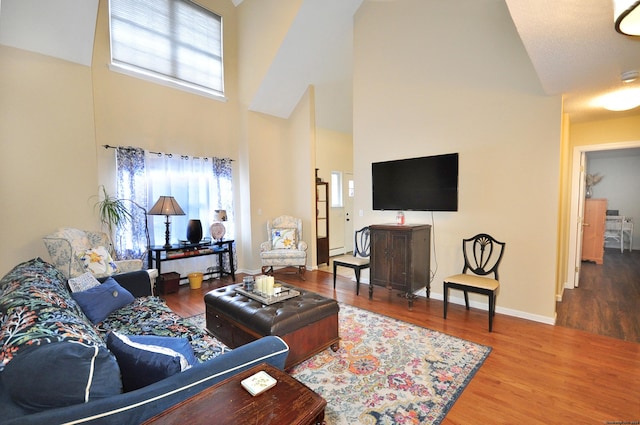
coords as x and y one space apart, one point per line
589 192
194 231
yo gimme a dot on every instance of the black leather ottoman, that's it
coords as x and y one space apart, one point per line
308 323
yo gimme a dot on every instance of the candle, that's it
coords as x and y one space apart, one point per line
260 284
270 282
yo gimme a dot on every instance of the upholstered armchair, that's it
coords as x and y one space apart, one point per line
285 247
75 251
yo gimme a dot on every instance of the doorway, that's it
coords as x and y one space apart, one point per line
577 205
599 298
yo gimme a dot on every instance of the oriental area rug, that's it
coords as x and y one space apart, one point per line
389 372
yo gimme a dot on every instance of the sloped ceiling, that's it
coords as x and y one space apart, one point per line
572 45
318 50
62 28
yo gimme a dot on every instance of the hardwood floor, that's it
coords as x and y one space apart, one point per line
607 300
536 373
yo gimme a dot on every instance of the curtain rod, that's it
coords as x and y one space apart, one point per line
170 155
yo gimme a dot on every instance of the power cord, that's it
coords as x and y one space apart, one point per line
432 273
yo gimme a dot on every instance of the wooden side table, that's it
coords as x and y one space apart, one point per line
289 402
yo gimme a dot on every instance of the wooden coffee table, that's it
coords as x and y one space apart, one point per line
290 402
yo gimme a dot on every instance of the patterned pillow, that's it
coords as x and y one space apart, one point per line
98 261
284 238
83 282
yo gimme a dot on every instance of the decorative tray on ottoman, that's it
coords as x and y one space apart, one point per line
285 293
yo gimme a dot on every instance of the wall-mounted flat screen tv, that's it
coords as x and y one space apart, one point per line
428 183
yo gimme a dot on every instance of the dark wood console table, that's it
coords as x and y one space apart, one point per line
159 254
400 258
289 402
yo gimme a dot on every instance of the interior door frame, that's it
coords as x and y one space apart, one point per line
577 204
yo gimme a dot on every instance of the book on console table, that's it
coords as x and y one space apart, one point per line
179 253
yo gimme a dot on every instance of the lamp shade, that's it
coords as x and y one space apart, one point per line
220 215
166 205
626 14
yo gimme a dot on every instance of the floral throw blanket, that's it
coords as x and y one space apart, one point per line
151 316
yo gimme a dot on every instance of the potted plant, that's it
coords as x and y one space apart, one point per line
112 211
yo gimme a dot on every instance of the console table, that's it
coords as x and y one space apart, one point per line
400 258
288 402
159 254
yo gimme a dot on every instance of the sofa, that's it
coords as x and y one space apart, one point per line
63 361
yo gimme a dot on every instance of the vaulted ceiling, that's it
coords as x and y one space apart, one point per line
572 45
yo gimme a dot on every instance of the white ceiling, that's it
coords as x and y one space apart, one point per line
572 44
575 50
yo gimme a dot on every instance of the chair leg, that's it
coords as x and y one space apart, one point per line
302 270
466 299
357 281
335 267
445 293
492 309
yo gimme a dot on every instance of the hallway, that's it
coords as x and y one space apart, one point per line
608 299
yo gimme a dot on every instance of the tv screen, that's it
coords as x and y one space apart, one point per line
428 183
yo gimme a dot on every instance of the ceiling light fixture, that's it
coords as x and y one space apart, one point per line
629 76
620 100
626 14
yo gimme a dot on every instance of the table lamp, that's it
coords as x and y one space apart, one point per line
167 206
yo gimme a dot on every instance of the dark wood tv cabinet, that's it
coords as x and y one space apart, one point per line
400 258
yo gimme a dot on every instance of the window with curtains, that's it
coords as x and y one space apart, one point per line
199 185
173 42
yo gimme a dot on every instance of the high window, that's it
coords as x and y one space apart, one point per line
336 190
172 42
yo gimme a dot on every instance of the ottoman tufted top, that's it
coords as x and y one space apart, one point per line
276 319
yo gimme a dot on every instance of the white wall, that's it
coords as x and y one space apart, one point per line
620 184
433 77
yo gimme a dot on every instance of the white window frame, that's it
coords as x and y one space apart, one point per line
158 77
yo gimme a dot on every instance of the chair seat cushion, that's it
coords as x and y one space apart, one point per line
474 281
350 260
284 257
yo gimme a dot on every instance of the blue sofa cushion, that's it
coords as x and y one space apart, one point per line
146 359
61 374
100 301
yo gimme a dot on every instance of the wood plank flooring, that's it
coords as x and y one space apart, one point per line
607 301
536 373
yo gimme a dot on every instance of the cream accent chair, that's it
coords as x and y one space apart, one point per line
285 247
67 245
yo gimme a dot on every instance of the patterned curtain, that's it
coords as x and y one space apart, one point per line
222 172
132 238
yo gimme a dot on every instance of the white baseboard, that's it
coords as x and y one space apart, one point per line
485 307
460 301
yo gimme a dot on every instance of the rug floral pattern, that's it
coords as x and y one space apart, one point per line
390 372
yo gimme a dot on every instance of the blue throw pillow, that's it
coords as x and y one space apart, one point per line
100 301
146 359
61 374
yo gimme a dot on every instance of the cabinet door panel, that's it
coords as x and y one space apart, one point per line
379 266
398 260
